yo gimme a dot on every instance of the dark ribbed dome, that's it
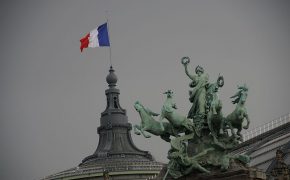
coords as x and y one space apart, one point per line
112 78
116 152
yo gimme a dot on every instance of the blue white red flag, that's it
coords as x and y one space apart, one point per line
96 38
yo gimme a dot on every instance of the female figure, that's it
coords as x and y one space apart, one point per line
197 96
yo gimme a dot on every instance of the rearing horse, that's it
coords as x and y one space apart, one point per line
176 120
235 119
149 124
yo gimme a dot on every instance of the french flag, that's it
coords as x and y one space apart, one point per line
96 38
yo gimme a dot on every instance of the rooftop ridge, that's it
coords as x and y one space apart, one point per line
266 127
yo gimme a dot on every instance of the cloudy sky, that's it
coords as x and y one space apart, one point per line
52 95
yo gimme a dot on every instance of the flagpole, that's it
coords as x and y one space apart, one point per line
110 50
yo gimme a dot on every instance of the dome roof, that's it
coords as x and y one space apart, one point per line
116 153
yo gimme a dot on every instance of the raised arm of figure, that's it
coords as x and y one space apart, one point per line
185 61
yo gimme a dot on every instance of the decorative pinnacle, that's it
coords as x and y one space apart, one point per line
112 78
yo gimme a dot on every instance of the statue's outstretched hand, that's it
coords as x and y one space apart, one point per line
185 60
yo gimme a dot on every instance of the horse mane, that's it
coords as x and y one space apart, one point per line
237 96
239 93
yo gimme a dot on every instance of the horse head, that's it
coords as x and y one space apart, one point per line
241 95
138 106
169 93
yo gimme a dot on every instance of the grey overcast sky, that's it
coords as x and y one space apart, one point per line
52 95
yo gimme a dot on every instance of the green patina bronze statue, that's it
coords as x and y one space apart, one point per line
215 118
149 124
200 142
168 111
235 119
197 96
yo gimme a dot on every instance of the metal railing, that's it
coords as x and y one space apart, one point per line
266 127
92 170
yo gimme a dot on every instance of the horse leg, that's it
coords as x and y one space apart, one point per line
248 121
232 129
144 134
137 129
239 133
160 121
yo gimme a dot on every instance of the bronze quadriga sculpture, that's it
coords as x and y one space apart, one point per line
201 141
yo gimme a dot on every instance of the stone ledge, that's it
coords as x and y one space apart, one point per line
234 174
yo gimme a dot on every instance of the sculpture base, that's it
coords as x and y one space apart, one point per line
233 174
